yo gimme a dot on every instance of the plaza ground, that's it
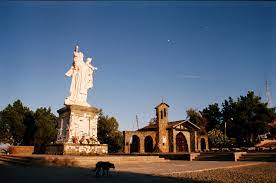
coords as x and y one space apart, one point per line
168 171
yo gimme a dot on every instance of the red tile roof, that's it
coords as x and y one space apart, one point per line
162 104
154 126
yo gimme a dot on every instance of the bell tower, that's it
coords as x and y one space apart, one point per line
162 122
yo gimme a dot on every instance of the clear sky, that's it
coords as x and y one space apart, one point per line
191 54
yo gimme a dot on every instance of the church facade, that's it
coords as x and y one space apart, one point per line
164 136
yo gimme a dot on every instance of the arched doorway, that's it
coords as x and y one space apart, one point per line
203 144
181 143
148 144
135 144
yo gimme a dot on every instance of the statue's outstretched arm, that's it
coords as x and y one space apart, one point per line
69 73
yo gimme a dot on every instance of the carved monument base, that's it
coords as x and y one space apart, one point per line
77 149
77 132
78 125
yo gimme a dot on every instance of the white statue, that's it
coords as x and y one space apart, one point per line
90 71
82 79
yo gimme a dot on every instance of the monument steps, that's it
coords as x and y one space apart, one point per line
209 156
79 161
99 158
16 160
175 156
270 157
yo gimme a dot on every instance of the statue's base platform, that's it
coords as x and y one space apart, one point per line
78 125
77 149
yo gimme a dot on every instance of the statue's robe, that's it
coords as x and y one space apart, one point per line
78 88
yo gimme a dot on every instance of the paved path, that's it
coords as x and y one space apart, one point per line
176 166
171 171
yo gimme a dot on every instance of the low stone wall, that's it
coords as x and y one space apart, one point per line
193 156
237 155
266 143
77 149
21 149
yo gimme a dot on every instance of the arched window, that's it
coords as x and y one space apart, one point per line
165 112
161 114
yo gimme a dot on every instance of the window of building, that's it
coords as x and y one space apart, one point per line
165 112
161 114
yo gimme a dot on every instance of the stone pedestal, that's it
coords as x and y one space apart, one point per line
77 149
78 125
77 132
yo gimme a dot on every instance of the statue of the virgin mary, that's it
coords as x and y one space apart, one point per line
82 79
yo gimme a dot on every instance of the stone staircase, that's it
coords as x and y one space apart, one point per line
78 161
215 156
271 157
176 156
26 161
91 161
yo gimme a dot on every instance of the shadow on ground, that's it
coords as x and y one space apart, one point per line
44 174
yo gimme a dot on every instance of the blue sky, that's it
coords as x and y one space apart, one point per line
216 50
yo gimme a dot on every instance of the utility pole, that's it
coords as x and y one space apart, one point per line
225 130
137 122
268 94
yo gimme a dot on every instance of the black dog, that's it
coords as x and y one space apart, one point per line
105 166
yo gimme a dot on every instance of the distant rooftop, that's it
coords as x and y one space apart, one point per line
170 125
163 103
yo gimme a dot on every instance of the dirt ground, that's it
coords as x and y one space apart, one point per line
171 171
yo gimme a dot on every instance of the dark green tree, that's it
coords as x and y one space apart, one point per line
216 138
213 116
21 126
228 112
45 126
29 122
246 118
197 118
5 133
16 124
108 133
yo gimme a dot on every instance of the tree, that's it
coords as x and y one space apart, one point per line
21 126
5 133
45 126
228 112
108 133
197 118
29 122
246 118
152 121
15 124
216 138
213 116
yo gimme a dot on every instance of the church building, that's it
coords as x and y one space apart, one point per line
165 136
